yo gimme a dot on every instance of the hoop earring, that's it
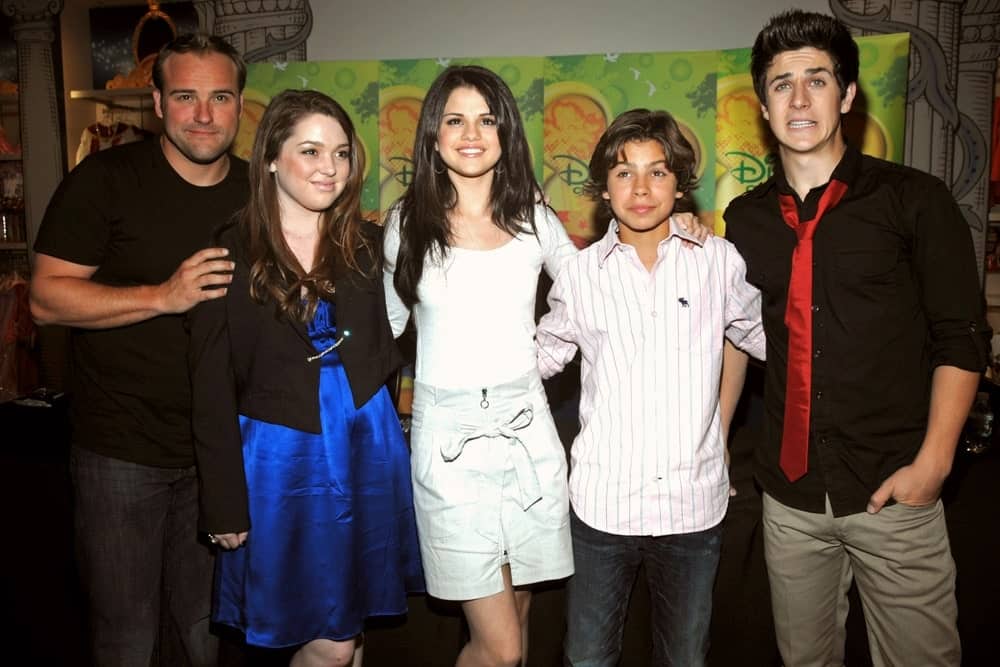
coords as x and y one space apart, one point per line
437 159
498 169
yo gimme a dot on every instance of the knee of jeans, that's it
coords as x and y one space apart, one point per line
590 656
592 643
202 646
685 644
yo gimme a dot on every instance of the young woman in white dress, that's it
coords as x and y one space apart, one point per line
464 248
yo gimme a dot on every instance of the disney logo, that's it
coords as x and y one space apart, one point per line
402 169
572 171
749 169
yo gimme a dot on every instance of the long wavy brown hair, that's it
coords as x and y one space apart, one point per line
275 273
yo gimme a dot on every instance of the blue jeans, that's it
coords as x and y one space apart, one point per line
680 573
137 552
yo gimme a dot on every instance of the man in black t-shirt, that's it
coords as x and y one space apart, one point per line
876 338
121 255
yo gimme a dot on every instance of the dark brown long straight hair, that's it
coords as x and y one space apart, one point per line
424 229
275 273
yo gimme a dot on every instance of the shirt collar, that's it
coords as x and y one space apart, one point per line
847 171
849 168
609 242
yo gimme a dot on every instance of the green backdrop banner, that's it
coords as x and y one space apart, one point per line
566 102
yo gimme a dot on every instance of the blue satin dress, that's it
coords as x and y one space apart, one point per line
333 538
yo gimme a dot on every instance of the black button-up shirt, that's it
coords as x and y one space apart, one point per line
896 293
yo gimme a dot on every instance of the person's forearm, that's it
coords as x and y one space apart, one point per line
83 303
734 373
952 393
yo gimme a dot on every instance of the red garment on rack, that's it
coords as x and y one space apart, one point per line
98 137
18 370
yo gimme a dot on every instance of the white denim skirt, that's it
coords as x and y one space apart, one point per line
489 488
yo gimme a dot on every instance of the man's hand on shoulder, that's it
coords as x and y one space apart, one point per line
186 287
689 223
65 293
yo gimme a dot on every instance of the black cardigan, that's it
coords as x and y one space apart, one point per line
245 360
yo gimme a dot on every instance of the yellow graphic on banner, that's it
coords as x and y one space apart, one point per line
742 155
398 114
575 116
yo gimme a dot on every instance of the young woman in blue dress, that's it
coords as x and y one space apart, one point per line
305 473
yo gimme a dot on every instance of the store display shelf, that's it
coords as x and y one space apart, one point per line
132 98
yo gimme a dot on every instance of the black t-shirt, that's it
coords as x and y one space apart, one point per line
126 211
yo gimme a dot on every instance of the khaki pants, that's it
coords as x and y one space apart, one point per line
902 563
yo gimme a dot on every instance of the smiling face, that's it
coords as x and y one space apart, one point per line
199 105
804 103
467 137
642 190
313 165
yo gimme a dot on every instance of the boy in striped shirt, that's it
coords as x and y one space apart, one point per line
649 315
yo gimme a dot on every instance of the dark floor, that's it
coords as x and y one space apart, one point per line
42 623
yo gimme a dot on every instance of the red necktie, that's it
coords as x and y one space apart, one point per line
794 458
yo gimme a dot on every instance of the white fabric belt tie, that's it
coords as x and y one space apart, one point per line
527 479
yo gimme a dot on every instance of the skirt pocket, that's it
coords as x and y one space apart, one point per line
445 493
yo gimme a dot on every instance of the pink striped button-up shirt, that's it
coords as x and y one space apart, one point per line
649 458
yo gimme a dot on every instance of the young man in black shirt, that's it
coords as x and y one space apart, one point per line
876 337
121 255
